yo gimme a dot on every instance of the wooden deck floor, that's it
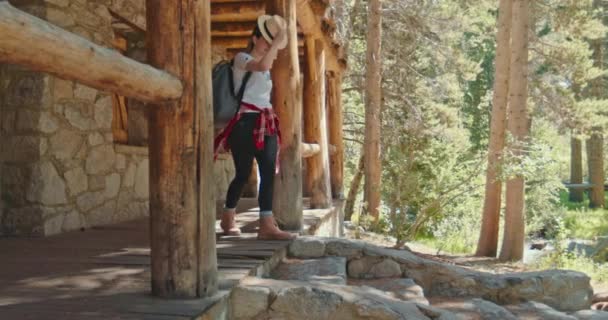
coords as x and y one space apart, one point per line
103 273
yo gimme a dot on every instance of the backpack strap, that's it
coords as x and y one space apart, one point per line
241 92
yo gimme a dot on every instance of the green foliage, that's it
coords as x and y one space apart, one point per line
438 74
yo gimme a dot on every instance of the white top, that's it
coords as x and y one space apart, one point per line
259 85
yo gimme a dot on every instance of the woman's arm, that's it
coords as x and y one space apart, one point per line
265 63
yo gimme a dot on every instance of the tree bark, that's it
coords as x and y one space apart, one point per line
576 169
288 106
315 126
373 100
488 237
518 125
182 217
34 43
353 191
596 169
335 119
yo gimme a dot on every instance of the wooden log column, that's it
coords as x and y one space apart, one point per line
315 125
334 122
287 202
182 217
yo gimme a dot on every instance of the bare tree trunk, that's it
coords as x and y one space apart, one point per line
518 124
354 190
488 236
373 91
576 169
596 168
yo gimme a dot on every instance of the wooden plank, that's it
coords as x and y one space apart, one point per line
36 44
237 11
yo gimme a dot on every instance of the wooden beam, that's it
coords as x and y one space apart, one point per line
131 24
237 11
182 217
237 42
311 25
310 149
335 119
288 106
316 180
36 44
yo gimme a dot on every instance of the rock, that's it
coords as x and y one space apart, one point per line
536 310
121 162
343 247
489 310
85 93
78 115
100 160
329 269
20 149
386 269
248 302
95 139
112 185
71 221
538 245
141 180
53 225
46 186
129 178
373 268
103 215
65 143
402 288
103 113
307 247
62 89
76 180
591 315
90 200
581 247
47 123
600 297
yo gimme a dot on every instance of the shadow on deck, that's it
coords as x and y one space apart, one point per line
104 272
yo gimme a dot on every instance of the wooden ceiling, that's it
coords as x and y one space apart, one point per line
232 22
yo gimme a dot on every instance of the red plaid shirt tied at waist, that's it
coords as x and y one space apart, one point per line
266 125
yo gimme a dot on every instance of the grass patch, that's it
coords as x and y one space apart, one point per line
598 272
451 244
582 222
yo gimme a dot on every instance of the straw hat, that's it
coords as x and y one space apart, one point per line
270 26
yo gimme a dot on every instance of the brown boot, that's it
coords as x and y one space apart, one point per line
269 230
228 223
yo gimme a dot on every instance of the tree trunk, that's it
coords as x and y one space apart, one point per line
488 237
576 169
334 110
518 125
315 126
596 168
373 100
287 201
182 210
354 190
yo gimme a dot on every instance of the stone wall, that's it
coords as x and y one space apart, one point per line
59 167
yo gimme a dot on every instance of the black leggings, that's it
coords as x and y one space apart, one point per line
243 151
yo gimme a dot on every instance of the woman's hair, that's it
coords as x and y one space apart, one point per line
256 33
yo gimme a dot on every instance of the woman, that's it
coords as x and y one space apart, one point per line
254 131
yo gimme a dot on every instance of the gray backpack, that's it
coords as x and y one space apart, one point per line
225 103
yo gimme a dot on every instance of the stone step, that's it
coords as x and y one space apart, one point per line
328 270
